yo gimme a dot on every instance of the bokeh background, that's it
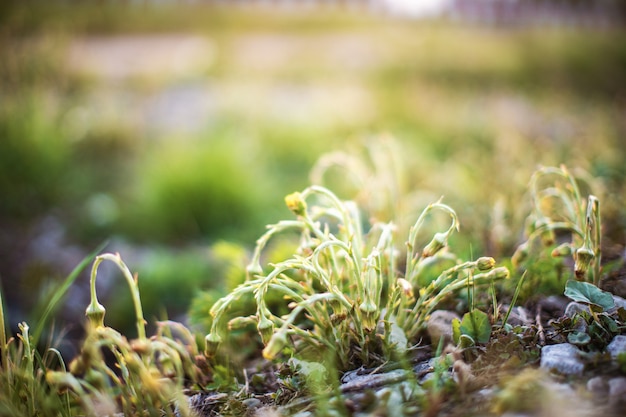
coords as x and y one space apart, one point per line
172 130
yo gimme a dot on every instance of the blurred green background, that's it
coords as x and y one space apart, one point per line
169 128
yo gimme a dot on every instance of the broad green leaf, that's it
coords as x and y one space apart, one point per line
476 325
587 293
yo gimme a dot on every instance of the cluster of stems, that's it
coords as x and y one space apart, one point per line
559 208
148 374
343 284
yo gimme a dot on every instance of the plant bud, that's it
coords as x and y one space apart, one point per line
275 345
435 245
564 249
266 329
339 312
241 322
583 259
95 314
485 263
212 341
499 273
370 314
296 203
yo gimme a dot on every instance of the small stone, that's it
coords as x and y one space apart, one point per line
617 346
439 325
252 403
575 307
598 386
562 358
617 391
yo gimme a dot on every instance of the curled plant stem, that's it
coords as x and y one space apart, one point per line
132 283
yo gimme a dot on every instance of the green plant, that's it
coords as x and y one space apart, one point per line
24 390
147 374
342 286
559 210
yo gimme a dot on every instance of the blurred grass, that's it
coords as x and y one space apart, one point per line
476 109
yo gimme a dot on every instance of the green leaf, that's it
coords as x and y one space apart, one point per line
578 338
587 293
476 325
397 338
466 341
456 331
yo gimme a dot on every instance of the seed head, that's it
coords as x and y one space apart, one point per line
370 314
583 259
485 263
296 203
499 273
95 314
266 329
435 245
212 342
275 345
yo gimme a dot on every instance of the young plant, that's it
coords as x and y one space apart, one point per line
342 284
147 374
558 209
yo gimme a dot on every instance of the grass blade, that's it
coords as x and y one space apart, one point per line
62 290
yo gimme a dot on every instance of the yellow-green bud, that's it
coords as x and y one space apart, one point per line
212 342
296 203
485 263
499 273
241 322
435 245
370 314
583 259
95 314
266 329
564 249
275 345
339 312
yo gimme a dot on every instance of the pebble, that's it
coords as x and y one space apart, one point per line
439 325
617 346
617 391
598 386
562 358
575 307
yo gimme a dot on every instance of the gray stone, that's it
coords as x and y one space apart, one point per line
575 307
617 391
562 358
598 386
439 325
617 346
